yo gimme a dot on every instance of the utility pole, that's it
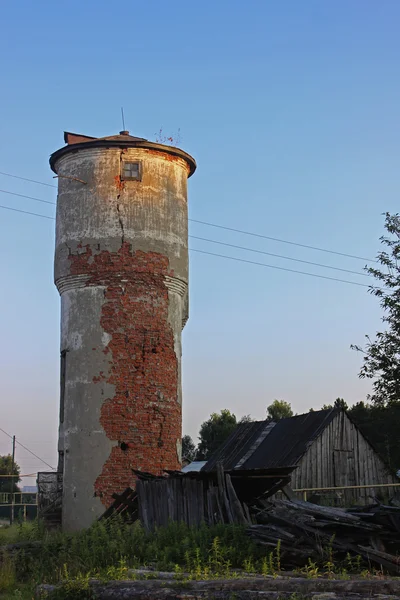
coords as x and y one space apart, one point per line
12 481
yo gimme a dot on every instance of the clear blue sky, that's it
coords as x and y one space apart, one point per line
292 112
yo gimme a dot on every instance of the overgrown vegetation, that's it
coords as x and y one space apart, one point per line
108 551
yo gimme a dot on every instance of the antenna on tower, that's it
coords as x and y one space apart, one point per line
123 119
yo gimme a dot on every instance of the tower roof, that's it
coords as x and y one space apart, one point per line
76 141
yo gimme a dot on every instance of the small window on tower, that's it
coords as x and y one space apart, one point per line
131 170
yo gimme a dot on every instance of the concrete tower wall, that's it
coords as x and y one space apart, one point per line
121 267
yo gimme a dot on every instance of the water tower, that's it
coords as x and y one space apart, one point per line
121 268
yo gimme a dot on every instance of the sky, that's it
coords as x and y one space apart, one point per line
291 112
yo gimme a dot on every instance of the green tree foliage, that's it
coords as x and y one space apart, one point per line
339 403
279 409
381 361
381 426
188 448
246 419
214 432
5 469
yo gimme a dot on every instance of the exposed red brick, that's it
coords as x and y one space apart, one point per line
166 156
144 415
119 184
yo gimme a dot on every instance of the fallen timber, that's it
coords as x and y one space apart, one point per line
308 530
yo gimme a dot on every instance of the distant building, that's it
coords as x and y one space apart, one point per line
29 489
327 448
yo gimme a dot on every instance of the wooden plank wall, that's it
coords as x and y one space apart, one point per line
342 456
171 499
193 501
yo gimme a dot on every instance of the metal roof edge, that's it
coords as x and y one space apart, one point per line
101 143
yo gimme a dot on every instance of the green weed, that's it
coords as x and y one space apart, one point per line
73 588
310 570
8 577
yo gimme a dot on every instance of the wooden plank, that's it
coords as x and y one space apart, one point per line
219 514
198 502
276 487
180 500
184 516
210 511
170 499
201 513
186 491
222 493
143 509
288 492
161 503
247 513
316 509
236 507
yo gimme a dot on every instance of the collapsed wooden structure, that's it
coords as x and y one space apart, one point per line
197 497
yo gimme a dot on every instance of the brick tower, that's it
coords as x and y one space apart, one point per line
121 268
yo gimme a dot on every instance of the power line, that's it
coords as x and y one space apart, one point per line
30 180
307 262
28 458
251 262
233 258
266 237
29 197
25 212
252 233
30 451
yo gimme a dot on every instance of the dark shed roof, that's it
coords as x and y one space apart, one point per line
264 445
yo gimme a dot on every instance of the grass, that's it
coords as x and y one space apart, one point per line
108 550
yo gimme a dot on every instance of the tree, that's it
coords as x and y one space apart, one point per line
381 426
339 403
5 469
188 448
381 361
279 409
214 432
246 419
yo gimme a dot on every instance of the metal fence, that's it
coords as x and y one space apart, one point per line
18 498
19 505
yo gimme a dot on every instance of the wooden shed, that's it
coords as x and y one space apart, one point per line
327 448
